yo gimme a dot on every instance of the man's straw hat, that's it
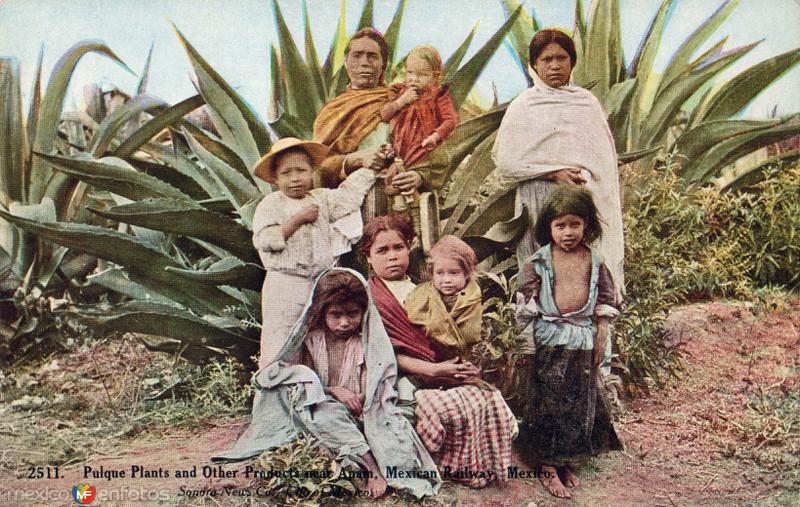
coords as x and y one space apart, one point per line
264 167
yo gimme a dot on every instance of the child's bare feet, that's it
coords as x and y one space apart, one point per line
552 483
376 486
570 479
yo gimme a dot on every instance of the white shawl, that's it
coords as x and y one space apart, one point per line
546 129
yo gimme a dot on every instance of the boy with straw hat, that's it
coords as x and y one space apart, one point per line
299 232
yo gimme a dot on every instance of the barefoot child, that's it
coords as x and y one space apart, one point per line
422 115
342 393
333 349
570 291
299 232
449 306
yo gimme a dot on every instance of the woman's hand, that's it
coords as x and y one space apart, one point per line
407 182
457 370
349 399
569 175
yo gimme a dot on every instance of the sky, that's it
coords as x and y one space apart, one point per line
235 36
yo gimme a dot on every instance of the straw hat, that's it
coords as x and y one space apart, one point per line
316 151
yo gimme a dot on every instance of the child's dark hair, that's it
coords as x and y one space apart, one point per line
569 199
335 287
384 223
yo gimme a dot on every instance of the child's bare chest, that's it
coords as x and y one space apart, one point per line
571 285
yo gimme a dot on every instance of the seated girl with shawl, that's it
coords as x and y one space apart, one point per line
467 429
449 306
343 393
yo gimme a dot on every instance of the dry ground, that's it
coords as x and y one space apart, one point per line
727 433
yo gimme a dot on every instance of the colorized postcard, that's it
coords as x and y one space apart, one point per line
454 252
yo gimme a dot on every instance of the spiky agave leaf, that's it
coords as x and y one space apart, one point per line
738 177
186 218
144 264
52 106
465 77
680 59
669 101
392 36
165 118
454 60
603 50
119 177
12 133
738 92
113 123
238 125
189 330
303 100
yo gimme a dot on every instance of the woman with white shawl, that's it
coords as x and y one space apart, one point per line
556 132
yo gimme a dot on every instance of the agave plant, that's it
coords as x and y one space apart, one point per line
643 105
31 190
185 258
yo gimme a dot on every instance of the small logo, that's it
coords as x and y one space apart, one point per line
83 494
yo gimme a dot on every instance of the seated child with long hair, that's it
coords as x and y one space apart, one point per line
568 291
333 349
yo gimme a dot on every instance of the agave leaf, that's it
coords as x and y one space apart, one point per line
33 112
579 33
669 101
696 141
464 187
186 218
240 127
452 63
465 77
287 125
115 279
702 169
335 58
312 60
393 35
338 84
737 93
633 156
141 87
123 181
114 122
738 178
602 52
521 34
52 106
302 101
219 150
238 189
145 265
500 235
278 88
162 120
165 320
617 104
641 66
443 160
237 274
185 166
680 59
12 134
498 207
367 18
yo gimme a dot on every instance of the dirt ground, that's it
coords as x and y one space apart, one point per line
727 433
